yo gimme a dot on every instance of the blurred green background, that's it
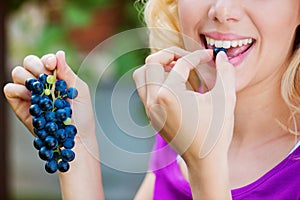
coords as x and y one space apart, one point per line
45 26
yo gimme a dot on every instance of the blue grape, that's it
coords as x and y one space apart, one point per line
68 111
71 131
72 93
51 166
50 116
61 135
67 155
35 110
61 115
50 142
37 87
51 128
35 99
29 83
43 78
69 143
60 85
217 50
46 103
42 134
38 122
63 166
45 154
59 103
38 143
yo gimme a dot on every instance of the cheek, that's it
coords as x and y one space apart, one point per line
192 16
190 13
186 18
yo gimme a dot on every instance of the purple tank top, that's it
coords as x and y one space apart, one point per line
280 183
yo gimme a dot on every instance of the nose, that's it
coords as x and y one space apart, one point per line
224 11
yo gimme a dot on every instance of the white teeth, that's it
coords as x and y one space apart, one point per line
240 43
218 43
234 43
227 43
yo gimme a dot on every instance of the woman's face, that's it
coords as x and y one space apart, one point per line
258 34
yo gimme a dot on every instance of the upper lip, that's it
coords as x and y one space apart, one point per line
225 36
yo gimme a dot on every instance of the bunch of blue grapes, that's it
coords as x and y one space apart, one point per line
51 118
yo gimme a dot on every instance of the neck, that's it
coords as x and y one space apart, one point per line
258 110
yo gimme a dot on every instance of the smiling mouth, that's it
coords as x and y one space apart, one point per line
234 48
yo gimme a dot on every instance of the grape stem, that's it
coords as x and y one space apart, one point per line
53 86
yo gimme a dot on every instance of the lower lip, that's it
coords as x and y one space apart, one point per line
235 61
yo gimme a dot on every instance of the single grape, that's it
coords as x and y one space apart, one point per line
42 134
61 135
71 130
51 166
72 93
35 110
37 87
61 115
51 128
67 155
60 85
45 154
46 103
63 166
217 50
38 143
35 99
38 122
43 78
68 111
50 142
29 82
69 143
59 103
50 116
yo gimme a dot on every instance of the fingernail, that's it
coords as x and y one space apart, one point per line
223 56
51 61
209 52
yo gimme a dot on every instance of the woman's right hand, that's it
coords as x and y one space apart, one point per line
86 146
199 126
19 97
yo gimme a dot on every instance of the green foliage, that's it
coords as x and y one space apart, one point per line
78 13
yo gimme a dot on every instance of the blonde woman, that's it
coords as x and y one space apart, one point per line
234 135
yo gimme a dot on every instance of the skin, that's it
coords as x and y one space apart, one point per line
86 147
252 102
257 87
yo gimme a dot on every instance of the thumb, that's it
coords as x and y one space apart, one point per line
225 75
63 70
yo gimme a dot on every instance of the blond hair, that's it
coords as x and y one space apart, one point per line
161 18
290 84
163 14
